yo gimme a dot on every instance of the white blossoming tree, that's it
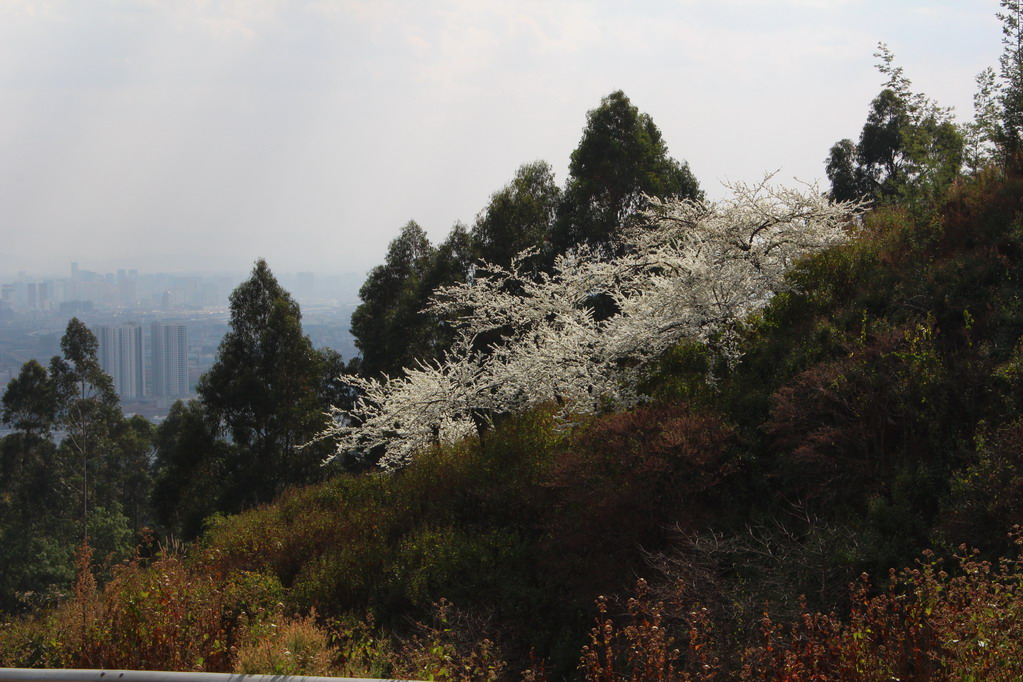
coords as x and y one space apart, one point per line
691 271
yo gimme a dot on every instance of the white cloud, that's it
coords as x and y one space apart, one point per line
35 9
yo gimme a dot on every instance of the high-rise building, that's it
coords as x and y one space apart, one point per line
120 356
170 360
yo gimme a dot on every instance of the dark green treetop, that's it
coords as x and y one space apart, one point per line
29 403
87 410
621 157
264 390
78 374
388 325
519 216
909 148
192 466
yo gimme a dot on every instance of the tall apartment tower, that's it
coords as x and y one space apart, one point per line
170 360
120 355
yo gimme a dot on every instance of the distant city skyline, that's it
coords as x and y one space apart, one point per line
130 288
178 319
112 267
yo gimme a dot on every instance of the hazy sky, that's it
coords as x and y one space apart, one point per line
203 134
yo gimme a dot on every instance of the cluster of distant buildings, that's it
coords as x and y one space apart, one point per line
86 289
157 332
122 356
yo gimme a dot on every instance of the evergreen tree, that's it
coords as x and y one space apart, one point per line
125 471
620 158
264 391
52 495
389 326
87 408
996 133
38 514
519 216
909 149
29 404
1011 95
192 465
453 262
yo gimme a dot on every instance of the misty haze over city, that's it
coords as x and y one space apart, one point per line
34 312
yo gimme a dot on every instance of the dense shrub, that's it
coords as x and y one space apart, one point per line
177 614
988 494
964 624
622 482
169 615
296 647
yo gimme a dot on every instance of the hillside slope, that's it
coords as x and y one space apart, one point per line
875 413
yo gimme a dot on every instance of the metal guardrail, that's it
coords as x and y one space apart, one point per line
61 675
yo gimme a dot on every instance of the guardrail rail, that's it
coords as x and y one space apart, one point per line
67 675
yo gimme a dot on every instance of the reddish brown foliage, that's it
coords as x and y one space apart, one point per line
928 625
647 648
628 478
842 423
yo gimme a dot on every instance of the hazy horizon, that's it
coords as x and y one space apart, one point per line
177 136
8 276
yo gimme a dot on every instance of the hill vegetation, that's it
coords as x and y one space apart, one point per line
829 487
